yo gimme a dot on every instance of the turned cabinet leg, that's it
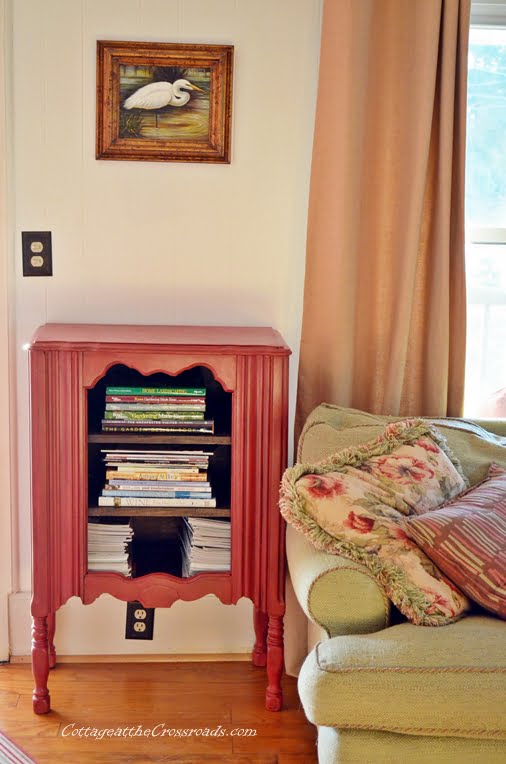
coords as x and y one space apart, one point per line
260 622
274 695
40 665
51 626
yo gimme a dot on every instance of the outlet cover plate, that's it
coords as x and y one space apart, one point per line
139 621
37 253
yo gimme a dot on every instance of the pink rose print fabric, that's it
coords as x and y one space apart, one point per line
353 504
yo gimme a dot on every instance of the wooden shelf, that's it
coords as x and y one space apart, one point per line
159 512
127 437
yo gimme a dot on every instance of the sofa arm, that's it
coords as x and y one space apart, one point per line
337 594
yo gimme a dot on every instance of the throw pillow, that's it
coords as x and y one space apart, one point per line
467 540
353 503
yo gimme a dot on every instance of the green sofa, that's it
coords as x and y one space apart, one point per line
380 689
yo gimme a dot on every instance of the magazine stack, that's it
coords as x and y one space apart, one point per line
205 545
108 547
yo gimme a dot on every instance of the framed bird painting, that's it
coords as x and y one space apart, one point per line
164 102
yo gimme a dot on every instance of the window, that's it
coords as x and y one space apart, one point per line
486 214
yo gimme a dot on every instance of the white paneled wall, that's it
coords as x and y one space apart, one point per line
143 242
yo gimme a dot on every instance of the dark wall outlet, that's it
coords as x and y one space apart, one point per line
139 621
37 253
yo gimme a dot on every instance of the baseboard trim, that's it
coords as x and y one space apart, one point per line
129 658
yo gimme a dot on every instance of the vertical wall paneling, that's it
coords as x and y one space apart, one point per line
140 242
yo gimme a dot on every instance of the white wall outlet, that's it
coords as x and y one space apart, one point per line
139 621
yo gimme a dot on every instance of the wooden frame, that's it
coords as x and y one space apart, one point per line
164 102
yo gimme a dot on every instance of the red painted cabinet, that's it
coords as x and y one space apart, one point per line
245 372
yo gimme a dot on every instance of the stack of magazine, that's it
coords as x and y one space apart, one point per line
108 547
156 479
156 410
205 545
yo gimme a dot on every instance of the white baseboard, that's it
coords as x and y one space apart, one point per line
4 635
203 627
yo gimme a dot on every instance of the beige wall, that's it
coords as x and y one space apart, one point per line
6 329
158 242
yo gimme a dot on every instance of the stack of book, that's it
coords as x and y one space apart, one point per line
156 479
205 545
156 409
108 547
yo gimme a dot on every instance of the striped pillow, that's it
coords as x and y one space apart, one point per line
466 539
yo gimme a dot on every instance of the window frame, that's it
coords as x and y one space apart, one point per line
486 15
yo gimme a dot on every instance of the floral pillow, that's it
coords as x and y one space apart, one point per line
353 504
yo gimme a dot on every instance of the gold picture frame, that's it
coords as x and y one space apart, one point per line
164 102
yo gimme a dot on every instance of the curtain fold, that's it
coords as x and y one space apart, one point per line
384 317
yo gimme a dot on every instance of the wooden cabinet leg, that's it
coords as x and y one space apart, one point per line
260 622
274 695
40 665
51 626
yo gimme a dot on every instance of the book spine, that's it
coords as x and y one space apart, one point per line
158 391
160 405
179 416
174 470
117 501
129 453
167 400
153 475
156 485
150 467
163 428
161 494
173 423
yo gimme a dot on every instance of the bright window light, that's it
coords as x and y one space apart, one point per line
486 224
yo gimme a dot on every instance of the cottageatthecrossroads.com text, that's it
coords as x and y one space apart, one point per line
159 730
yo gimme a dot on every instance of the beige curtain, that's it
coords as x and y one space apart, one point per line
384 305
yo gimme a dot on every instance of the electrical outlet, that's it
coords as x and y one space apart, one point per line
37 253
139 621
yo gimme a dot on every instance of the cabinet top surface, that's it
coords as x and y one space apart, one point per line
112 334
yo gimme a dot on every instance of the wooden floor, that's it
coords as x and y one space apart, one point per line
180 696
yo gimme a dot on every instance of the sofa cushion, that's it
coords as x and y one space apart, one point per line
373 747
352 504
466 539
448 682
331 428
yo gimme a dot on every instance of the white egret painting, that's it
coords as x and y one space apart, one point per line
164 102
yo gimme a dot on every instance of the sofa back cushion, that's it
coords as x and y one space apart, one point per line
329 429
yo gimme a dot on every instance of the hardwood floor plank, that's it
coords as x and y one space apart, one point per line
182 673
9 699
180 696
97 757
